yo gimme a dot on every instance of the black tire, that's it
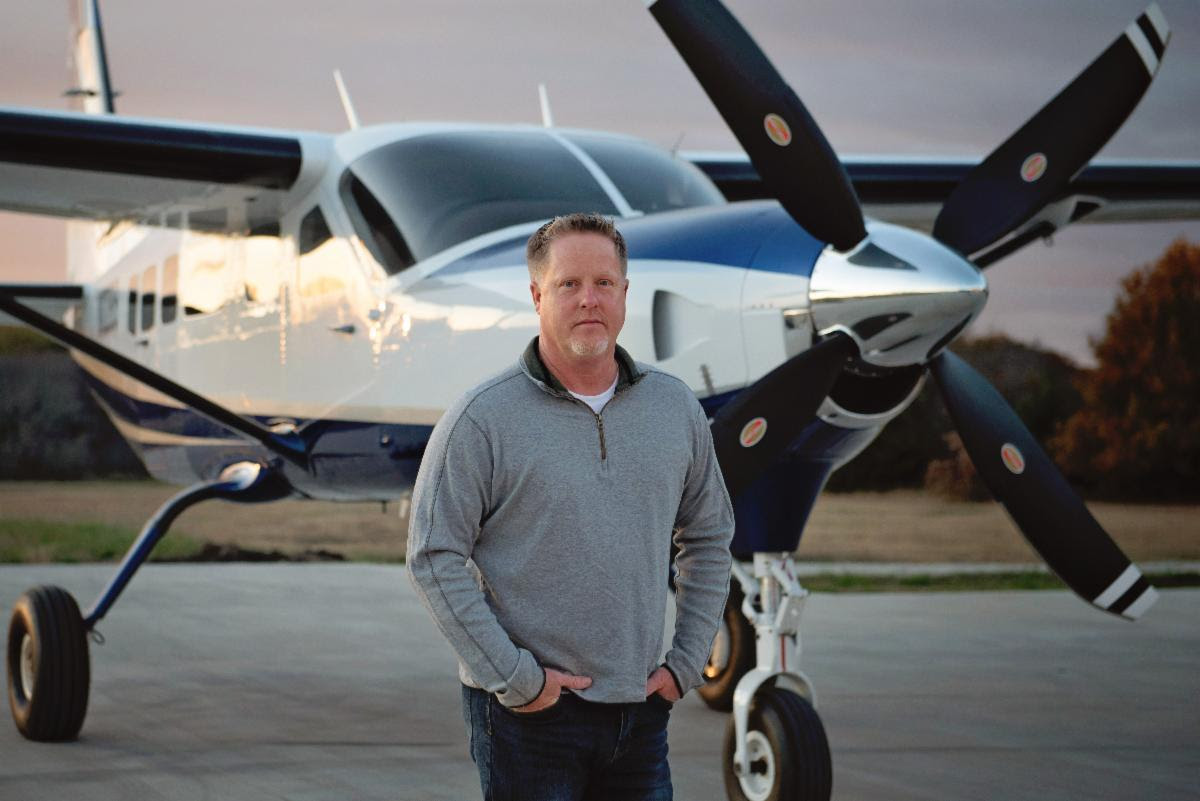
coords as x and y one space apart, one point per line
790 754
49 670
733 654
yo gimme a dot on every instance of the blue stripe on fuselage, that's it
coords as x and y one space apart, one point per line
757 235
404 440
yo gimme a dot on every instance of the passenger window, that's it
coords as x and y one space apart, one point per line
321 266
132 309
314 231
149 292
170 288
204 285
108 303
264 267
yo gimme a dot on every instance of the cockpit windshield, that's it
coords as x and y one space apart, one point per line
442 189
416 197
649 178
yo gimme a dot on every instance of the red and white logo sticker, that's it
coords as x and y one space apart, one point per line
1012 458
752 432
1033 168
777 130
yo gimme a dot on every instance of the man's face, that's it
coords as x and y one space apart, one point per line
580 296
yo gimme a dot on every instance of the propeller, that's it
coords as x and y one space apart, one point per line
1047 511
778 134
752 430
1030 170
1035 165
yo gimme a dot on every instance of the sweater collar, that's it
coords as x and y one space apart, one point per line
531 362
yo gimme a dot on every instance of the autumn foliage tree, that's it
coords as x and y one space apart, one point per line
1137 434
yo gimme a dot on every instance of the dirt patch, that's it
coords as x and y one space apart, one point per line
911 526
892 526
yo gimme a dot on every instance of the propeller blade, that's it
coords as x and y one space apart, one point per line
1037 496
753 429
1035 165
779 135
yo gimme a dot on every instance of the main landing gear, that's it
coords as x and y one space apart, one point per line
775 744
48 663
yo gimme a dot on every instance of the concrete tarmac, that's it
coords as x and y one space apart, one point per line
330 682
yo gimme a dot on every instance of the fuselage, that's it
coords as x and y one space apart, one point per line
394 279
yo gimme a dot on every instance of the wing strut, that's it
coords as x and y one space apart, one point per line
289 446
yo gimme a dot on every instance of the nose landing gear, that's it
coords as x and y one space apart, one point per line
775 744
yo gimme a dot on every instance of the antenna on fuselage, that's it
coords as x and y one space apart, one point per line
351 116
544 99
90 61
678 142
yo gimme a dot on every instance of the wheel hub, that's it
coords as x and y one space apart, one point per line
28 668
757 784
718 659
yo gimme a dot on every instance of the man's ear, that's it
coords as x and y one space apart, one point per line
536 294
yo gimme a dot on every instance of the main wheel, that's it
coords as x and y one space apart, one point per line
789 755
732 654
48 665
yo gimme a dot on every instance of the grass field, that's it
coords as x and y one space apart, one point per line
90 521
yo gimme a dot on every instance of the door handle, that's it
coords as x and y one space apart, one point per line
348 328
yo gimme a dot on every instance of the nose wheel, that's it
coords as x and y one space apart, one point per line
49 670
786 748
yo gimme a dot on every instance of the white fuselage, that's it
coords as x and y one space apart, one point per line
298 323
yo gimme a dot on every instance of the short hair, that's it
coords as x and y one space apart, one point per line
537 250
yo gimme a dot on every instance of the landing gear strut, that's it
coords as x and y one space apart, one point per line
775 744
48 663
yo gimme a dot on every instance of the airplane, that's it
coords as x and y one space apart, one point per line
267 314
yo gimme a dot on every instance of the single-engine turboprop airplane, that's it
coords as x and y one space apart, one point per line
269 314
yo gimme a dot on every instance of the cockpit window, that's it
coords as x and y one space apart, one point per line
375 228
649 178
419 196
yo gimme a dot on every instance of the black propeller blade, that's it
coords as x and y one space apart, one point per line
1045 508
1035 165
780 136
753 429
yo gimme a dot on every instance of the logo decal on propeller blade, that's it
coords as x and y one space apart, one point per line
1033 168
1012 458
777 130
752 432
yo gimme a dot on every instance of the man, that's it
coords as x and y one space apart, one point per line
540 533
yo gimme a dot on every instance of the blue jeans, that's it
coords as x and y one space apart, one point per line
575 750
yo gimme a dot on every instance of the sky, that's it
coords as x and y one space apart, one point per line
918 77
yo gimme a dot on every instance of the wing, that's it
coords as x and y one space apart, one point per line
97 167
910 191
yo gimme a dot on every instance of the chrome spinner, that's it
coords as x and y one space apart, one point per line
900 294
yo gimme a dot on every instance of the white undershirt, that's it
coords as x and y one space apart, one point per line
597 401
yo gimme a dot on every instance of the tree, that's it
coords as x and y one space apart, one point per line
920 447
50 426
1137 435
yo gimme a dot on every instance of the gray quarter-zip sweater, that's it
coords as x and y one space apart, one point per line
540 532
